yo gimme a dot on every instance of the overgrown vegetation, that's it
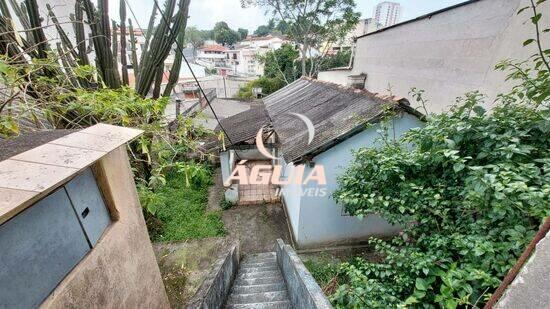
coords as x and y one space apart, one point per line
57 88
268 86
470 189
180 207
324 272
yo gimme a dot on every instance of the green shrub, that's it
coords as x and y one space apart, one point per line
470 189
181 209
268 85
470 194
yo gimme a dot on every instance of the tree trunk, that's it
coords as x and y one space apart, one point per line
303 51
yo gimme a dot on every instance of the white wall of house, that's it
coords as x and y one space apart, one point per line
318 221
291 195
335 76
245 61
270 42
449 53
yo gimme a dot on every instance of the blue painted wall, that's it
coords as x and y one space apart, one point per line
319 220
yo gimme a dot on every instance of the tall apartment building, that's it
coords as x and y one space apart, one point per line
387 13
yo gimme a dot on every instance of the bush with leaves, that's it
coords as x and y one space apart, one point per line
268 85
470 189
59 105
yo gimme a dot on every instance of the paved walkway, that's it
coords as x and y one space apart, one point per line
257 226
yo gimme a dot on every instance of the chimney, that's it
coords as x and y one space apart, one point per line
357 81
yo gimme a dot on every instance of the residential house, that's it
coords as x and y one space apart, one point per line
445 53
339 116
211 56
244 60
268 41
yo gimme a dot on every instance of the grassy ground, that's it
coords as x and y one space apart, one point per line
183 212
324 265
324 270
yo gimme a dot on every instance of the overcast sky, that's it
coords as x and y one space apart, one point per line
205 13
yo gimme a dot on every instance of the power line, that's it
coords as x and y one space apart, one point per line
193 73
137 23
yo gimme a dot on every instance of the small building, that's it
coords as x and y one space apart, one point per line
72 232
311 124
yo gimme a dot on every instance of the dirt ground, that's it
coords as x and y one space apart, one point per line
185 265
257 227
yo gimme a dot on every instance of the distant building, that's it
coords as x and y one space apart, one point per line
387 13
244 60
211 56
363 27
268 41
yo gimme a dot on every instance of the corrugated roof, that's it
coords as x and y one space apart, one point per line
335 111
244 126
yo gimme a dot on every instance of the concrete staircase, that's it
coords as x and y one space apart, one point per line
259 284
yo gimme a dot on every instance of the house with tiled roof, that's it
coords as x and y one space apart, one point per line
211 56
306 127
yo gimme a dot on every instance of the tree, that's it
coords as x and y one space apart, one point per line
195 37
268 85
262 30
243 33
270 28
341 59
225 35
281 63
312 23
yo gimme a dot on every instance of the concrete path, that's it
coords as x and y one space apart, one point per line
257 227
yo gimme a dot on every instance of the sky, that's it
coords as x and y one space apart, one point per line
205 13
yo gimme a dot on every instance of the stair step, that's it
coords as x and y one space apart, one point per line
285 304
257 297
259 274
256 281
258 264
260 257
259 288
249 269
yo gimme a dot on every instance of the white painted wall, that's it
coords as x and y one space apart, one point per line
450 53
320 221
335 76
291 196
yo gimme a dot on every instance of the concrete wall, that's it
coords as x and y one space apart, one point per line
335 76
303 290
291 196
216 287
321 221
449 53
226 87
530 288
121 271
